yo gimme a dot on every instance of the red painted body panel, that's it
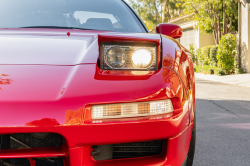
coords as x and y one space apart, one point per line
179 60
176 154
33 153
56 97
171 30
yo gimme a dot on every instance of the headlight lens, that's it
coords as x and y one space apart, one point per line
129 57
116 57
131 109
141 58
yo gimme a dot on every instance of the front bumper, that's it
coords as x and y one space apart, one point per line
175 155
76 149
64 114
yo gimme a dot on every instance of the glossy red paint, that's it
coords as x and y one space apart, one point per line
23 47
32 162
170 30
55 95
33 153
179 60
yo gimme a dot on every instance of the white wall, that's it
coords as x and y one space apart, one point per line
201 40
245 37
206 40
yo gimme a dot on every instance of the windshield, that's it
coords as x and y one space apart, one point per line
107 15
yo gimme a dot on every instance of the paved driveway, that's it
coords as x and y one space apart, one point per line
223 124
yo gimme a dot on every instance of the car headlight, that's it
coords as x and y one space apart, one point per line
128 57
142 58
116 57
131 109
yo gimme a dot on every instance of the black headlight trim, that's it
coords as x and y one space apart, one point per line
103 66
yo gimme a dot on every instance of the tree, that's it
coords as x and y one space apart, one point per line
148 11
213 16
170 9
154 12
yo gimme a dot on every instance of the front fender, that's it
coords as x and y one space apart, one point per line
178 59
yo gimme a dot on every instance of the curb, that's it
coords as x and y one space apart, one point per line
206 77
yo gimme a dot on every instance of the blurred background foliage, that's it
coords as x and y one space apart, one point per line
218 17
154 12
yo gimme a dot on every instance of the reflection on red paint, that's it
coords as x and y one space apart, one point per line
168 60
176 88
32 162
171 30
63 90
43 123
74 117
177 33
123 75
5 81
159 94
166 75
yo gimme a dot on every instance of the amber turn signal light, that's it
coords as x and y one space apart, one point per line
131 109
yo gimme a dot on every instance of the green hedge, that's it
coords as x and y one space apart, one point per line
204 55
219 59
192 52
213 53
207 69
226 53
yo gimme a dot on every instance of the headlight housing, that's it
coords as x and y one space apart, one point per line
128 57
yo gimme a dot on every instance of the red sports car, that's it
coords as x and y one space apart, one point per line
84 83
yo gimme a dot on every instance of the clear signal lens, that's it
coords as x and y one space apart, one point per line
131 109
142 58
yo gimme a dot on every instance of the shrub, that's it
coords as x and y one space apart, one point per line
213 53
205 69
219 71
239 71
192 52
198 55
202 60
211 71
206 54
203 55
198 68
226 53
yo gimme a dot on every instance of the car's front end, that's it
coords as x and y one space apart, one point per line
66 98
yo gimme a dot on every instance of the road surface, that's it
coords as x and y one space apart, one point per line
223 124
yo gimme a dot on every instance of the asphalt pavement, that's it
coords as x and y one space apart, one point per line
223 124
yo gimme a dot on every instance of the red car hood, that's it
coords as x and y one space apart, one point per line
53 46
43 65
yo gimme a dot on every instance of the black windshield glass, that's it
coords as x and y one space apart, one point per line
108 15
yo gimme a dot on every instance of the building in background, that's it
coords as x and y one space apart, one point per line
244 35
190 34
